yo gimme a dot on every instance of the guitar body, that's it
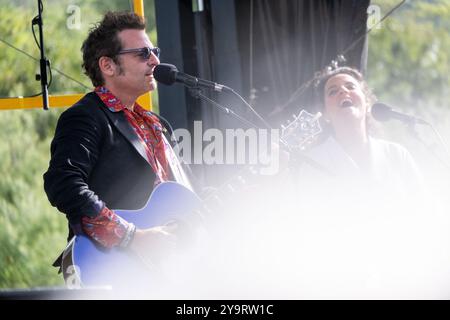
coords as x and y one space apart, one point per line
95 266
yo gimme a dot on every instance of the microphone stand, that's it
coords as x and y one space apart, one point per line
296 156
441 140
43 61
196 93
267 125
413 132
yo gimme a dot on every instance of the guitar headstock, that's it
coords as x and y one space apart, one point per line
302 130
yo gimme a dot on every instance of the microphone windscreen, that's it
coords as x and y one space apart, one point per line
381 112
165 73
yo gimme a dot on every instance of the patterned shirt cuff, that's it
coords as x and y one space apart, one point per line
108 229
128 236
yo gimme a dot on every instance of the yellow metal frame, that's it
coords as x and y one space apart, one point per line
69 99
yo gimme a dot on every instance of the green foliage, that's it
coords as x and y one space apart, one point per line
409 68
409 59
17 69
31 233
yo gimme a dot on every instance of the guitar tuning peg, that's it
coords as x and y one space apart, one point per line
283 127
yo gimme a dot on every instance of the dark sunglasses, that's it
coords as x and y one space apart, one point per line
145 53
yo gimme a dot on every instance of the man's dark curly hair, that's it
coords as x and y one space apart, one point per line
104 41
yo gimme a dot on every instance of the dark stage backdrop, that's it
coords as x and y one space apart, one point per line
265 50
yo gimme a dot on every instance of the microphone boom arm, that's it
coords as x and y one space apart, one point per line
195 92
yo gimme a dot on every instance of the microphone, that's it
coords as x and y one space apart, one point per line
168 74
383 112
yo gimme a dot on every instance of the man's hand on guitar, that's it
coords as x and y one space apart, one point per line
155 243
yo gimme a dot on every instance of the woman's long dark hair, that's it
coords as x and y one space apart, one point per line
319 96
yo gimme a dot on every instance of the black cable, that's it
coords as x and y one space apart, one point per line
196 93
73 79
50 73
28 55
34 32
17 49
268 126
374 26
27 96
50 70
33 22
43 62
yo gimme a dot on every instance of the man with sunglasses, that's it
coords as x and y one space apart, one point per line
108 152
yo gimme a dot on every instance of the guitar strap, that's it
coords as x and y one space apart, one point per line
181 171
175 165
